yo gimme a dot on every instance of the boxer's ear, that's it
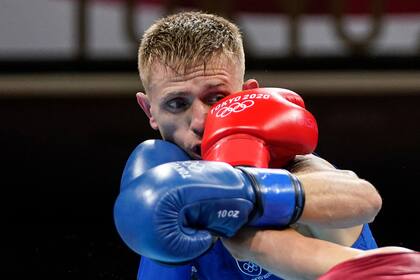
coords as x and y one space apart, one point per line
144 103
250 84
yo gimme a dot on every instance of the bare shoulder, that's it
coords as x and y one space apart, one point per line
309 163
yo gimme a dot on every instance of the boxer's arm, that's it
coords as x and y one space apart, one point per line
288 254
334 198
338 203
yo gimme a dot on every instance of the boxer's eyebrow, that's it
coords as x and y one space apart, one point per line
210 86
184 93
175 93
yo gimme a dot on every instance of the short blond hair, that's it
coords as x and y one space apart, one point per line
189 39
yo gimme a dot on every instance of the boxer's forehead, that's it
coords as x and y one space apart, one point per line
211 74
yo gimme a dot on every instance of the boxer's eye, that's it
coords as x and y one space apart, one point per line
214 98
177 104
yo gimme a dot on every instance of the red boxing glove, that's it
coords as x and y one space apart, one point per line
260 127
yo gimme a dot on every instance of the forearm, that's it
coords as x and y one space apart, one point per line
337 199
288 254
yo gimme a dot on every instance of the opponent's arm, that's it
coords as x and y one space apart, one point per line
271 131
287 253
335 198
290 255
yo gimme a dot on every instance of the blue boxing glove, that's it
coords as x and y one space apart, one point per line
173 211
148 154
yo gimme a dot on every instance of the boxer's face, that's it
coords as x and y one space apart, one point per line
177 104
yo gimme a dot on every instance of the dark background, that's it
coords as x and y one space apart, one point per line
63 150
63 156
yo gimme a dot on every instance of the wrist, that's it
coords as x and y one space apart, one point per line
238 150
279 197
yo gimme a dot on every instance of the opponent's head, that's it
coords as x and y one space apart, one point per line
187 62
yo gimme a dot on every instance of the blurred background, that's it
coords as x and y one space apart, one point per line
69 117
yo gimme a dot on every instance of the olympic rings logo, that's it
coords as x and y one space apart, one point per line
235 107
249 268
